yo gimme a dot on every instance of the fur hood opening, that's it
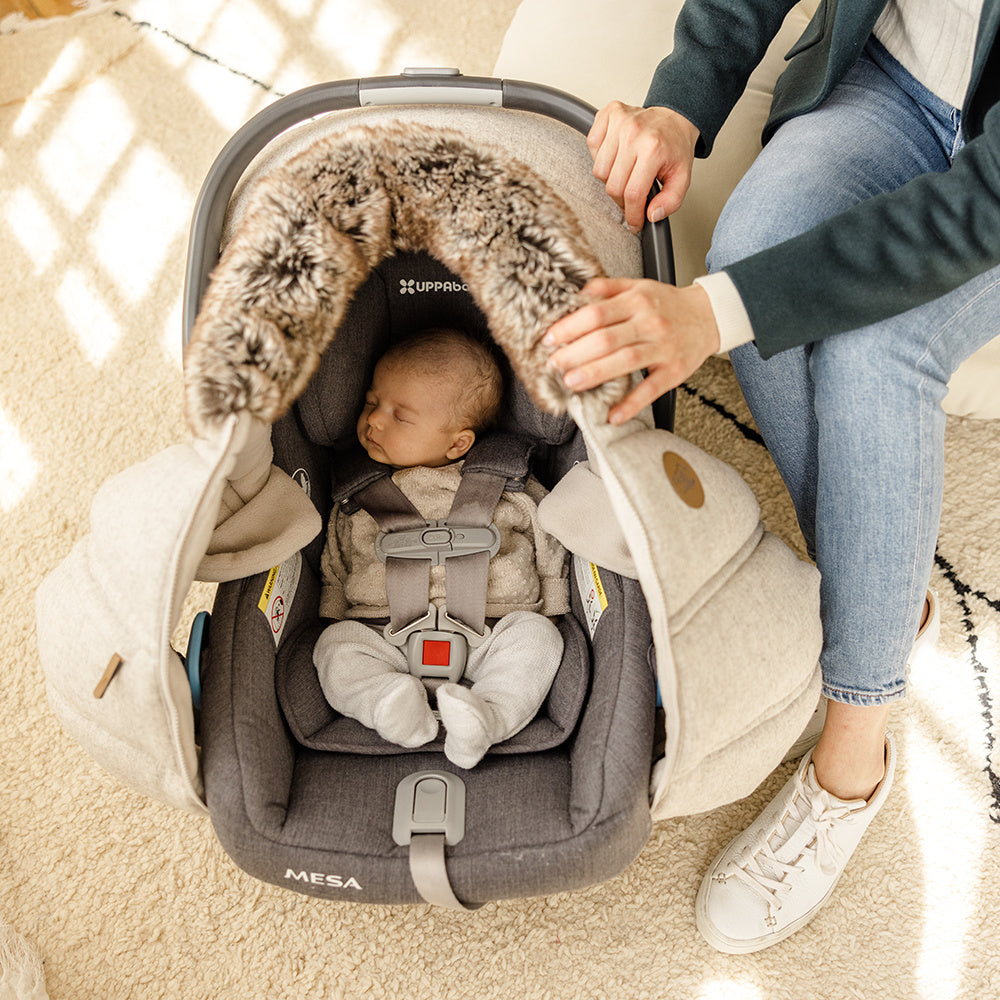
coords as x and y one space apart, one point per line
317 226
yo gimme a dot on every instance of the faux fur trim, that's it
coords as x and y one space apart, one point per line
316 227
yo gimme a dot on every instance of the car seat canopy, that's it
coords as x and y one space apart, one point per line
323 245
319 224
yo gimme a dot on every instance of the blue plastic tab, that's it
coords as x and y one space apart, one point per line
197 640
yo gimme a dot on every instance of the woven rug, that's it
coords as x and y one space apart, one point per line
109 121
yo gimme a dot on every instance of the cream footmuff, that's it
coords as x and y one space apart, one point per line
350 216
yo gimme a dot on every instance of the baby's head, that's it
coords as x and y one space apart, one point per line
430 396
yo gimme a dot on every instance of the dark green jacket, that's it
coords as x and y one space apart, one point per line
885 256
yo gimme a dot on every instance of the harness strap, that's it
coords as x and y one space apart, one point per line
496 462
467 577
430 874
407 581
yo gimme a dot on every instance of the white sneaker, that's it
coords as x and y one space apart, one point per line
773 878
809 736
929 634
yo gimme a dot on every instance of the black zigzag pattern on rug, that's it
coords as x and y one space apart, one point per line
750 433
965 594
149 26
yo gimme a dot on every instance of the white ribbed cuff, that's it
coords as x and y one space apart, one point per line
730 314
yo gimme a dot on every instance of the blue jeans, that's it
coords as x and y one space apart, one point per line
854 421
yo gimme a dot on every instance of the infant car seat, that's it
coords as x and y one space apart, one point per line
302 797
342 237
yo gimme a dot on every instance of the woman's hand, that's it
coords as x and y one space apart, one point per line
632 324
633 147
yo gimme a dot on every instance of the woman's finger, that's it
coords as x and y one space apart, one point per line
589 317
610 364
644 394
604 138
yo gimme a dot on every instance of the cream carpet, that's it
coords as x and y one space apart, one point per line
108 123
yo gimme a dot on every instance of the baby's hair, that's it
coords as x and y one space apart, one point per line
469 365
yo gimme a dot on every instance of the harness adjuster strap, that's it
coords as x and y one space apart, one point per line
429 813
430 873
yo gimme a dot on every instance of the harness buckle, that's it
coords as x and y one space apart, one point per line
437 645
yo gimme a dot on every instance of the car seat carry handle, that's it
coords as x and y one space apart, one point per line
448 86
415 87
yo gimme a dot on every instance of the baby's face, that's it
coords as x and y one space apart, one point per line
406 420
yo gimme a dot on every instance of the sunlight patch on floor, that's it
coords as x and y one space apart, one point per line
88 317
18 468
948 828
359 34
32 227
64 72
134 235
80 154
728 989
941 670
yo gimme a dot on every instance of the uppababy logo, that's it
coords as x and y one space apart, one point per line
407 286
320 878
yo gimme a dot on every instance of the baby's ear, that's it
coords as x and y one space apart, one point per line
464 440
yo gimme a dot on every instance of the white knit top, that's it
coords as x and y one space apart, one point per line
934 41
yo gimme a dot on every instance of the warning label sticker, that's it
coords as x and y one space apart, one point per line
278 593
588 582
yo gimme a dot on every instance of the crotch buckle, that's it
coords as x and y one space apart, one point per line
437 646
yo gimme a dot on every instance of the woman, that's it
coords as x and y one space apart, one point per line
853 269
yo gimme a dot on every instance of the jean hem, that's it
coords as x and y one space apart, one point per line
863 699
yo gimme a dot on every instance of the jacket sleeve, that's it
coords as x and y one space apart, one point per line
717 45
884 256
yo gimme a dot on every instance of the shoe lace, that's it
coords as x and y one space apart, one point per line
760 868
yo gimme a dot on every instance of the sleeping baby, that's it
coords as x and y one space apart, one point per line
429 398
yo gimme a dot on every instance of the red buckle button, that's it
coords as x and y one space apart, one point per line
436 653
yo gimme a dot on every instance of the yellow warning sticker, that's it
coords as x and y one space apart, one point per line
265 597
602 598
591 590
279 592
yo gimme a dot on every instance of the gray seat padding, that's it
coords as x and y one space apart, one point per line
536 823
